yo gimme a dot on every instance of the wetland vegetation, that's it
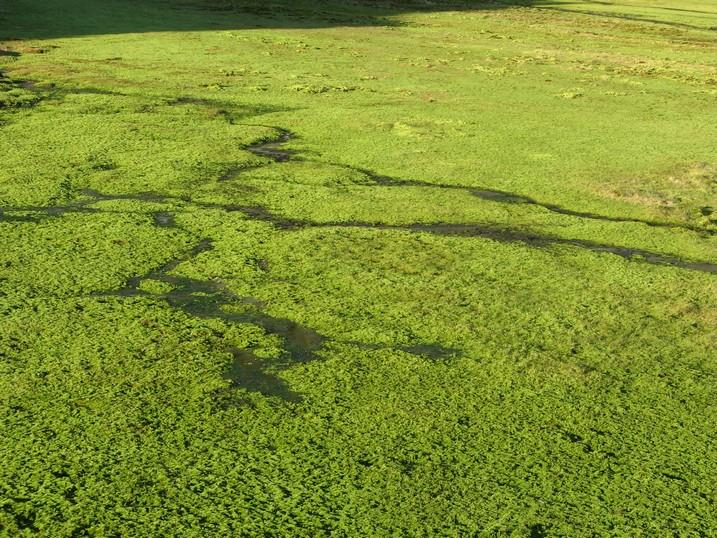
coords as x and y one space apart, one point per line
358 268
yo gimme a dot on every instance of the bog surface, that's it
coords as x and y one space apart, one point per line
358 268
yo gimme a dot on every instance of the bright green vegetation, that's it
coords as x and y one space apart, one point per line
358 268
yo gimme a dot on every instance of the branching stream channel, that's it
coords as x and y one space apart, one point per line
206 299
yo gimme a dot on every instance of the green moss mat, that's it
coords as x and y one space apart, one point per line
358 269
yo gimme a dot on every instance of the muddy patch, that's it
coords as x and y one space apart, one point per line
505 197
17 93
84 205
131 287
506 235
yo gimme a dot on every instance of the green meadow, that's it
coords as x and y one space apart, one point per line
358 268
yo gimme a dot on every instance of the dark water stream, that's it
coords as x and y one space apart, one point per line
212 299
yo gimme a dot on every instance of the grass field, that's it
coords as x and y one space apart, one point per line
358 268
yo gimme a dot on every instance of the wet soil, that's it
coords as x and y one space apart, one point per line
211 299
249 372
192 101
505 197
431 351
49 91
234 171
89 91
4 217
503 235
163 219
273 150
262 214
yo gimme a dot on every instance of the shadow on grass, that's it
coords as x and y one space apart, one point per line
653 15
46 19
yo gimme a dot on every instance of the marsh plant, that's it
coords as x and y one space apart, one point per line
358 268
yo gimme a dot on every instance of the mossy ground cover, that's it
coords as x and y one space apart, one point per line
359 269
